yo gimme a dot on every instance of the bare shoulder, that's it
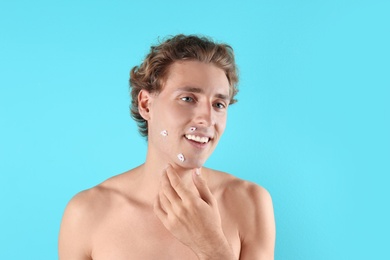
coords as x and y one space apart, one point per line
250 206
241 192
83 214
86 204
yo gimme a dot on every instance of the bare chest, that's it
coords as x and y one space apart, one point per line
133 233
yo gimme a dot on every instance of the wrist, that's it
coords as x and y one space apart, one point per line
221 250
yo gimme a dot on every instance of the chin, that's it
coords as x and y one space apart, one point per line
192 164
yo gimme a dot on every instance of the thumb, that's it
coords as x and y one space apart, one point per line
201 185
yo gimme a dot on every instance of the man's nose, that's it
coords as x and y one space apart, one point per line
205 114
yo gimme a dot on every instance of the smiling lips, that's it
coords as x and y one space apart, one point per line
198 139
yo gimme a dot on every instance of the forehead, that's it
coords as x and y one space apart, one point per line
196 74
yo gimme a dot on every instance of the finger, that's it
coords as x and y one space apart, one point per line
167 189
176 183
164 202
203 189
158 210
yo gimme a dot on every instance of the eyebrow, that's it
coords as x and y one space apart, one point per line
199 90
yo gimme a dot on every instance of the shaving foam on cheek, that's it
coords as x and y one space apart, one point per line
164 133
180 156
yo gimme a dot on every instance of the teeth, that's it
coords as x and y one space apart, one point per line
197 138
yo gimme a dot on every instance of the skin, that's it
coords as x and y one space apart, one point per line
168 209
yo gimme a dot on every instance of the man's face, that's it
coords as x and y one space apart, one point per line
192 110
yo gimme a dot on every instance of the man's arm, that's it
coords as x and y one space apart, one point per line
73 237
257 225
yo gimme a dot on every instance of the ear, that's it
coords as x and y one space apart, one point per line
144 101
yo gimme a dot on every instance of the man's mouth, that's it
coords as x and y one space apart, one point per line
198 139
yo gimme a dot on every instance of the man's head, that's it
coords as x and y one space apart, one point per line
151 74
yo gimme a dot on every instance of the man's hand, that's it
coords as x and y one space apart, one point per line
192 218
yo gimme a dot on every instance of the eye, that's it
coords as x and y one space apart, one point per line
187 99
220 105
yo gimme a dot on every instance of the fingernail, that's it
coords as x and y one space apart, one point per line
197 172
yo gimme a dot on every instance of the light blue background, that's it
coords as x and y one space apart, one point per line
311 124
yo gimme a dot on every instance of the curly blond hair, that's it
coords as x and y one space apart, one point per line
151 74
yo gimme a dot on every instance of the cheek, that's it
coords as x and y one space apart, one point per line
169 122
221 123
177 116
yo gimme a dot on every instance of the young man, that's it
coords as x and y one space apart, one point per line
171 207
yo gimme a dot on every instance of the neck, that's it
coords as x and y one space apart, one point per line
150 175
